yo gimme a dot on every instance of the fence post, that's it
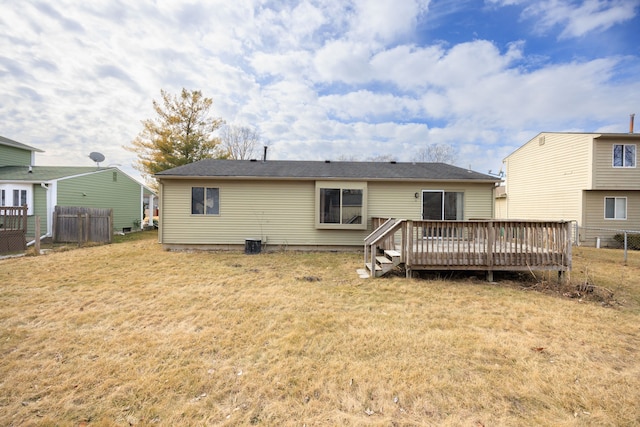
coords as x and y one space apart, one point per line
625 248
87 227
37 231
79 229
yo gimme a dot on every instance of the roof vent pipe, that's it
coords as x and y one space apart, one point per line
264 157
631 117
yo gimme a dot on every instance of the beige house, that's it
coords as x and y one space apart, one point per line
590 178
223 204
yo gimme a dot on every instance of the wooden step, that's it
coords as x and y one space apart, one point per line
392 254
383 260
378 268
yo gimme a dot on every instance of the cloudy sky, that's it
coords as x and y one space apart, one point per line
323 79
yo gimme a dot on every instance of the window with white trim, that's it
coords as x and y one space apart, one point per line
341 205
205 201
442 205
615 208
17 195
624 155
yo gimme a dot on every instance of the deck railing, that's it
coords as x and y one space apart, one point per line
13 228
489 245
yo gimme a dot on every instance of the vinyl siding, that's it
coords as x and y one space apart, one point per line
606 177
123 195
282 213
546 181
397 200
39 209
598 226
13 156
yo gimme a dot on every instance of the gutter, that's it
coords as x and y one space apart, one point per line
324 178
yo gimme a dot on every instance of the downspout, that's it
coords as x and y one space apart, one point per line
49 216
141 206
160 211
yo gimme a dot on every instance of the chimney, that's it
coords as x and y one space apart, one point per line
264 158
631 117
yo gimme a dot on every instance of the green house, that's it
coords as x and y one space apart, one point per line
42 188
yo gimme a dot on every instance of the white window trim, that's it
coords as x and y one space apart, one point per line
342 185
443 192
635 158
204 214
614 206
8 191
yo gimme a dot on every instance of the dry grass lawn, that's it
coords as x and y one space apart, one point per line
129 334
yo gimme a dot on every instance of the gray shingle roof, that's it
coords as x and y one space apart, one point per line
286 169
41 173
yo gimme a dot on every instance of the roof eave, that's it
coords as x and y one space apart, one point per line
323 178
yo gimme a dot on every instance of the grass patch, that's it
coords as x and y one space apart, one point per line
129 334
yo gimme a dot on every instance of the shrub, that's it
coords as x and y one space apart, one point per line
633 240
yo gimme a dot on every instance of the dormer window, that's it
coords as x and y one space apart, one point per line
624 155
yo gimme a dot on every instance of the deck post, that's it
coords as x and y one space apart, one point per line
490 252
408 249
374 251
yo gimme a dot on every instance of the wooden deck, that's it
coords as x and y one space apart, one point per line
485 245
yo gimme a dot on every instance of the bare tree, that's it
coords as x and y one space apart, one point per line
240 142
438 153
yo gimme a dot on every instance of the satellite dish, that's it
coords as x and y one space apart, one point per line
96 157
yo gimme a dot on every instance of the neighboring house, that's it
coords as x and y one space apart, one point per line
42 188
221 204
590 178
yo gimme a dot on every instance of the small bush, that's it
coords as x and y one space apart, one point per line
633 240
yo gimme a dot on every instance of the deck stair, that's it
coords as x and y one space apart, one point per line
378 264
385 263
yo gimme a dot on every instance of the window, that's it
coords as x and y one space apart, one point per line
624 155
442 205
341 206
17 195
615 208
205 201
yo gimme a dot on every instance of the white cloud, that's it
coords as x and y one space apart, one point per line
385 20
365 105
580 19
318 78
343 61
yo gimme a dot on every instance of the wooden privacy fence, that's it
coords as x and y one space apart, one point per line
489 245
13 229
80 224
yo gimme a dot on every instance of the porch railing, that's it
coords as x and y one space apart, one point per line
482 245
